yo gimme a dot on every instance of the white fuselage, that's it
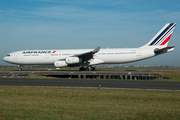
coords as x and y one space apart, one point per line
87 57
106 56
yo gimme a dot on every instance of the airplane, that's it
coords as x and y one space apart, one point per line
86 58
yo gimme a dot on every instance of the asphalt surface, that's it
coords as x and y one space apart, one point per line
90 83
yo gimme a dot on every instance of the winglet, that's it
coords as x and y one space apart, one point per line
96 49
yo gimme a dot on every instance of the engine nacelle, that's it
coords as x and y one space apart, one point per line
60 64
73 60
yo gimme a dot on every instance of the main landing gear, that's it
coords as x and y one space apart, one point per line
19 68
87 69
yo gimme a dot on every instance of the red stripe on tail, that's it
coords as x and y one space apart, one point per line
166 40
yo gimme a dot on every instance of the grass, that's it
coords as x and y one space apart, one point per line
168 80
40 77
172 75
47 103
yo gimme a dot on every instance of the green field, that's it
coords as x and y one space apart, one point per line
20 103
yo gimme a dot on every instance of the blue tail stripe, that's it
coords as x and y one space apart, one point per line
161 34
165 35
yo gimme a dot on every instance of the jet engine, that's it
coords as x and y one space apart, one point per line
73 60
60 64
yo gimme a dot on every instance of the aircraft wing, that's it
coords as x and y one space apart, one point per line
164 50
88 55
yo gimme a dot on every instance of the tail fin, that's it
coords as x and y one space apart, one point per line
162 38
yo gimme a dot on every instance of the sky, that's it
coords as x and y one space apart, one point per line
81 24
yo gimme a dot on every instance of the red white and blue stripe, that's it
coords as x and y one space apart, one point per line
163 36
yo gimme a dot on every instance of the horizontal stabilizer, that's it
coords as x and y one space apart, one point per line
163 50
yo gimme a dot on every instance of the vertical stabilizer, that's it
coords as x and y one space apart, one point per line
162 38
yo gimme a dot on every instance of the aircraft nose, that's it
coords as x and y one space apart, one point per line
4 58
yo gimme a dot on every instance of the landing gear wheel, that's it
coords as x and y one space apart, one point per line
20 69
93 68
81 69
88 68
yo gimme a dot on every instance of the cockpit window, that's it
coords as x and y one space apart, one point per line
8 55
